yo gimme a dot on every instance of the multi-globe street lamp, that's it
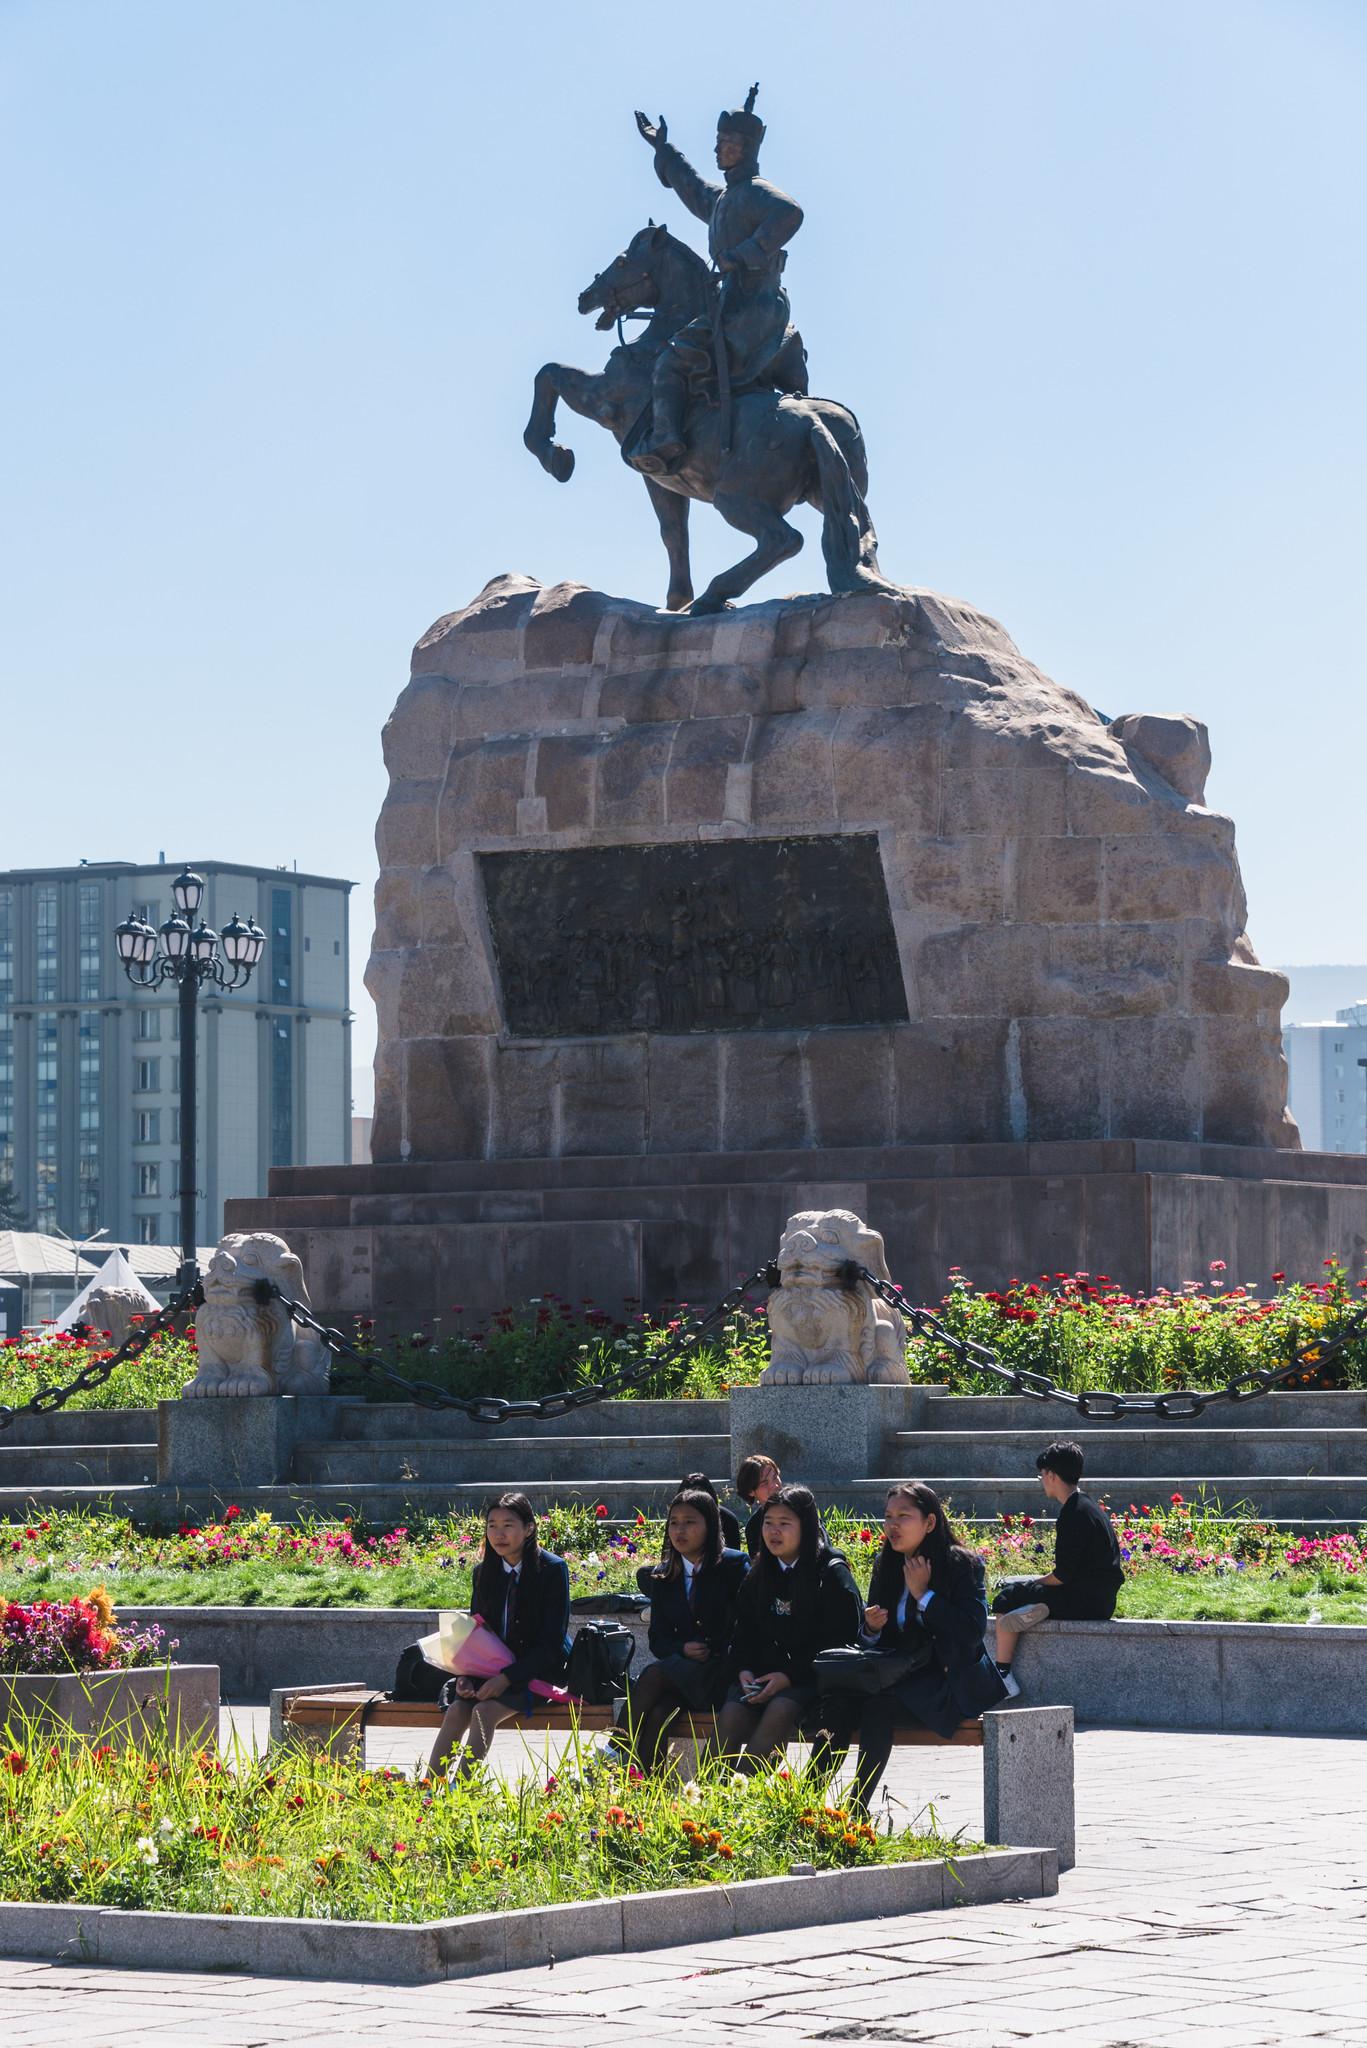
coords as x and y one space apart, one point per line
188 954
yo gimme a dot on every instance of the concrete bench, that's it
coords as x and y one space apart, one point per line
1027 1751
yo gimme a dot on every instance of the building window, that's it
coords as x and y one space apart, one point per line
149 1178
149 912
88 1125
45 913
175 1126
282 948
175 1075
147 1024
147 1127
282 1091
45 1159
146 1076
89 907
149 1229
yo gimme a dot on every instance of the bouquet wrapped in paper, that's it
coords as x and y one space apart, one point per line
466 1645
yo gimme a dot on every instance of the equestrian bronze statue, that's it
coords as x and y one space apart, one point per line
710 400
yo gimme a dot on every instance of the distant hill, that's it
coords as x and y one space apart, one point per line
1318 993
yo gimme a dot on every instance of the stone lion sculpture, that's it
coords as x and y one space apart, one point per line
247 1341
823 1332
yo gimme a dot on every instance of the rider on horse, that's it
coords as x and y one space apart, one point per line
748 221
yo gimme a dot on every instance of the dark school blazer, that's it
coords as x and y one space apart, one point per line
956 1623
783 1620
539 1635
711 1621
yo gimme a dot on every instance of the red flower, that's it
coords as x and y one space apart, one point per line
601 1512
1178 1501
231 1514
17 1762
1277 1276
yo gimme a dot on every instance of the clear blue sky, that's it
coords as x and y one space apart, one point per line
278 273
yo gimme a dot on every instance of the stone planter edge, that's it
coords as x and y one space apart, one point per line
490 1943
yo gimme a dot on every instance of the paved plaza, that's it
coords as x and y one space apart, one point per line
1220 1901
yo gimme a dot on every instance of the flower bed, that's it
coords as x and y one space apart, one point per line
1082 1329
59 1636
1183 1559
304 1836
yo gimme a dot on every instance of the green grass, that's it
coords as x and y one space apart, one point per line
1187 1561
299 1835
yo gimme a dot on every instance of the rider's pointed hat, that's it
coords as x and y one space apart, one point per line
744 121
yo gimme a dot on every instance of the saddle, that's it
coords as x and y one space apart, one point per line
785 372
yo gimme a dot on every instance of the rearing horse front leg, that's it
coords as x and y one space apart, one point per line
671 509
539 433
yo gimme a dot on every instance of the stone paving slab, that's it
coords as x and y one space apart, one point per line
1220 1901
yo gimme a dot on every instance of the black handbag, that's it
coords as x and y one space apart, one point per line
868 1671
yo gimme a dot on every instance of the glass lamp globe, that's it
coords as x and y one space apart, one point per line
236 941
188 890
203 943
175 937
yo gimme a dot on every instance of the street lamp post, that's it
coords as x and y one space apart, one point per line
188 955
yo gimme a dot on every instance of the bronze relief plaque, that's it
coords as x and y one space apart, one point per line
739 935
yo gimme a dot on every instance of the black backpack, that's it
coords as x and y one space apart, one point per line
415 1678
600 1662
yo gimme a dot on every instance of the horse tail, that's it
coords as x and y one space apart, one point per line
848 540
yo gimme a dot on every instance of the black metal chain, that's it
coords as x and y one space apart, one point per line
1177 1406
491 1408
48 1399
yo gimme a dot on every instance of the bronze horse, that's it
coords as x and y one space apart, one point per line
782 449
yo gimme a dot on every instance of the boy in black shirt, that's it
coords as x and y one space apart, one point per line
1087 1572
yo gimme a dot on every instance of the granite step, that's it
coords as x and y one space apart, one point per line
1148 1454
375 1421
1314 1408
82 1426
76 1464
511 1461
385 1505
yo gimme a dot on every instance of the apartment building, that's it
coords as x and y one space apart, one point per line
90 1065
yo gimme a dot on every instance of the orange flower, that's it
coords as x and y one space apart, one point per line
616 1815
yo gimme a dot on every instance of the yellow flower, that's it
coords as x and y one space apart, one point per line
102 1604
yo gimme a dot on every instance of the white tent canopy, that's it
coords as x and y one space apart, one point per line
115 1272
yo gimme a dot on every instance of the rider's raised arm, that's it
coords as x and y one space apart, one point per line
673 169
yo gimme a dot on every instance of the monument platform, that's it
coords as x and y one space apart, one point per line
405 1242
685 924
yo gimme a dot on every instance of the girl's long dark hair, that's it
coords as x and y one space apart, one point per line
941 1546
704 1504
488 1586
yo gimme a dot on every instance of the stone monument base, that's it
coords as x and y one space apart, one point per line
407 1243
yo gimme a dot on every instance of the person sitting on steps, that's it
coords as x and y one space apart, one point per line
1087 1572
926 1589
758 1479
692 1594
798 1597
523 1593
